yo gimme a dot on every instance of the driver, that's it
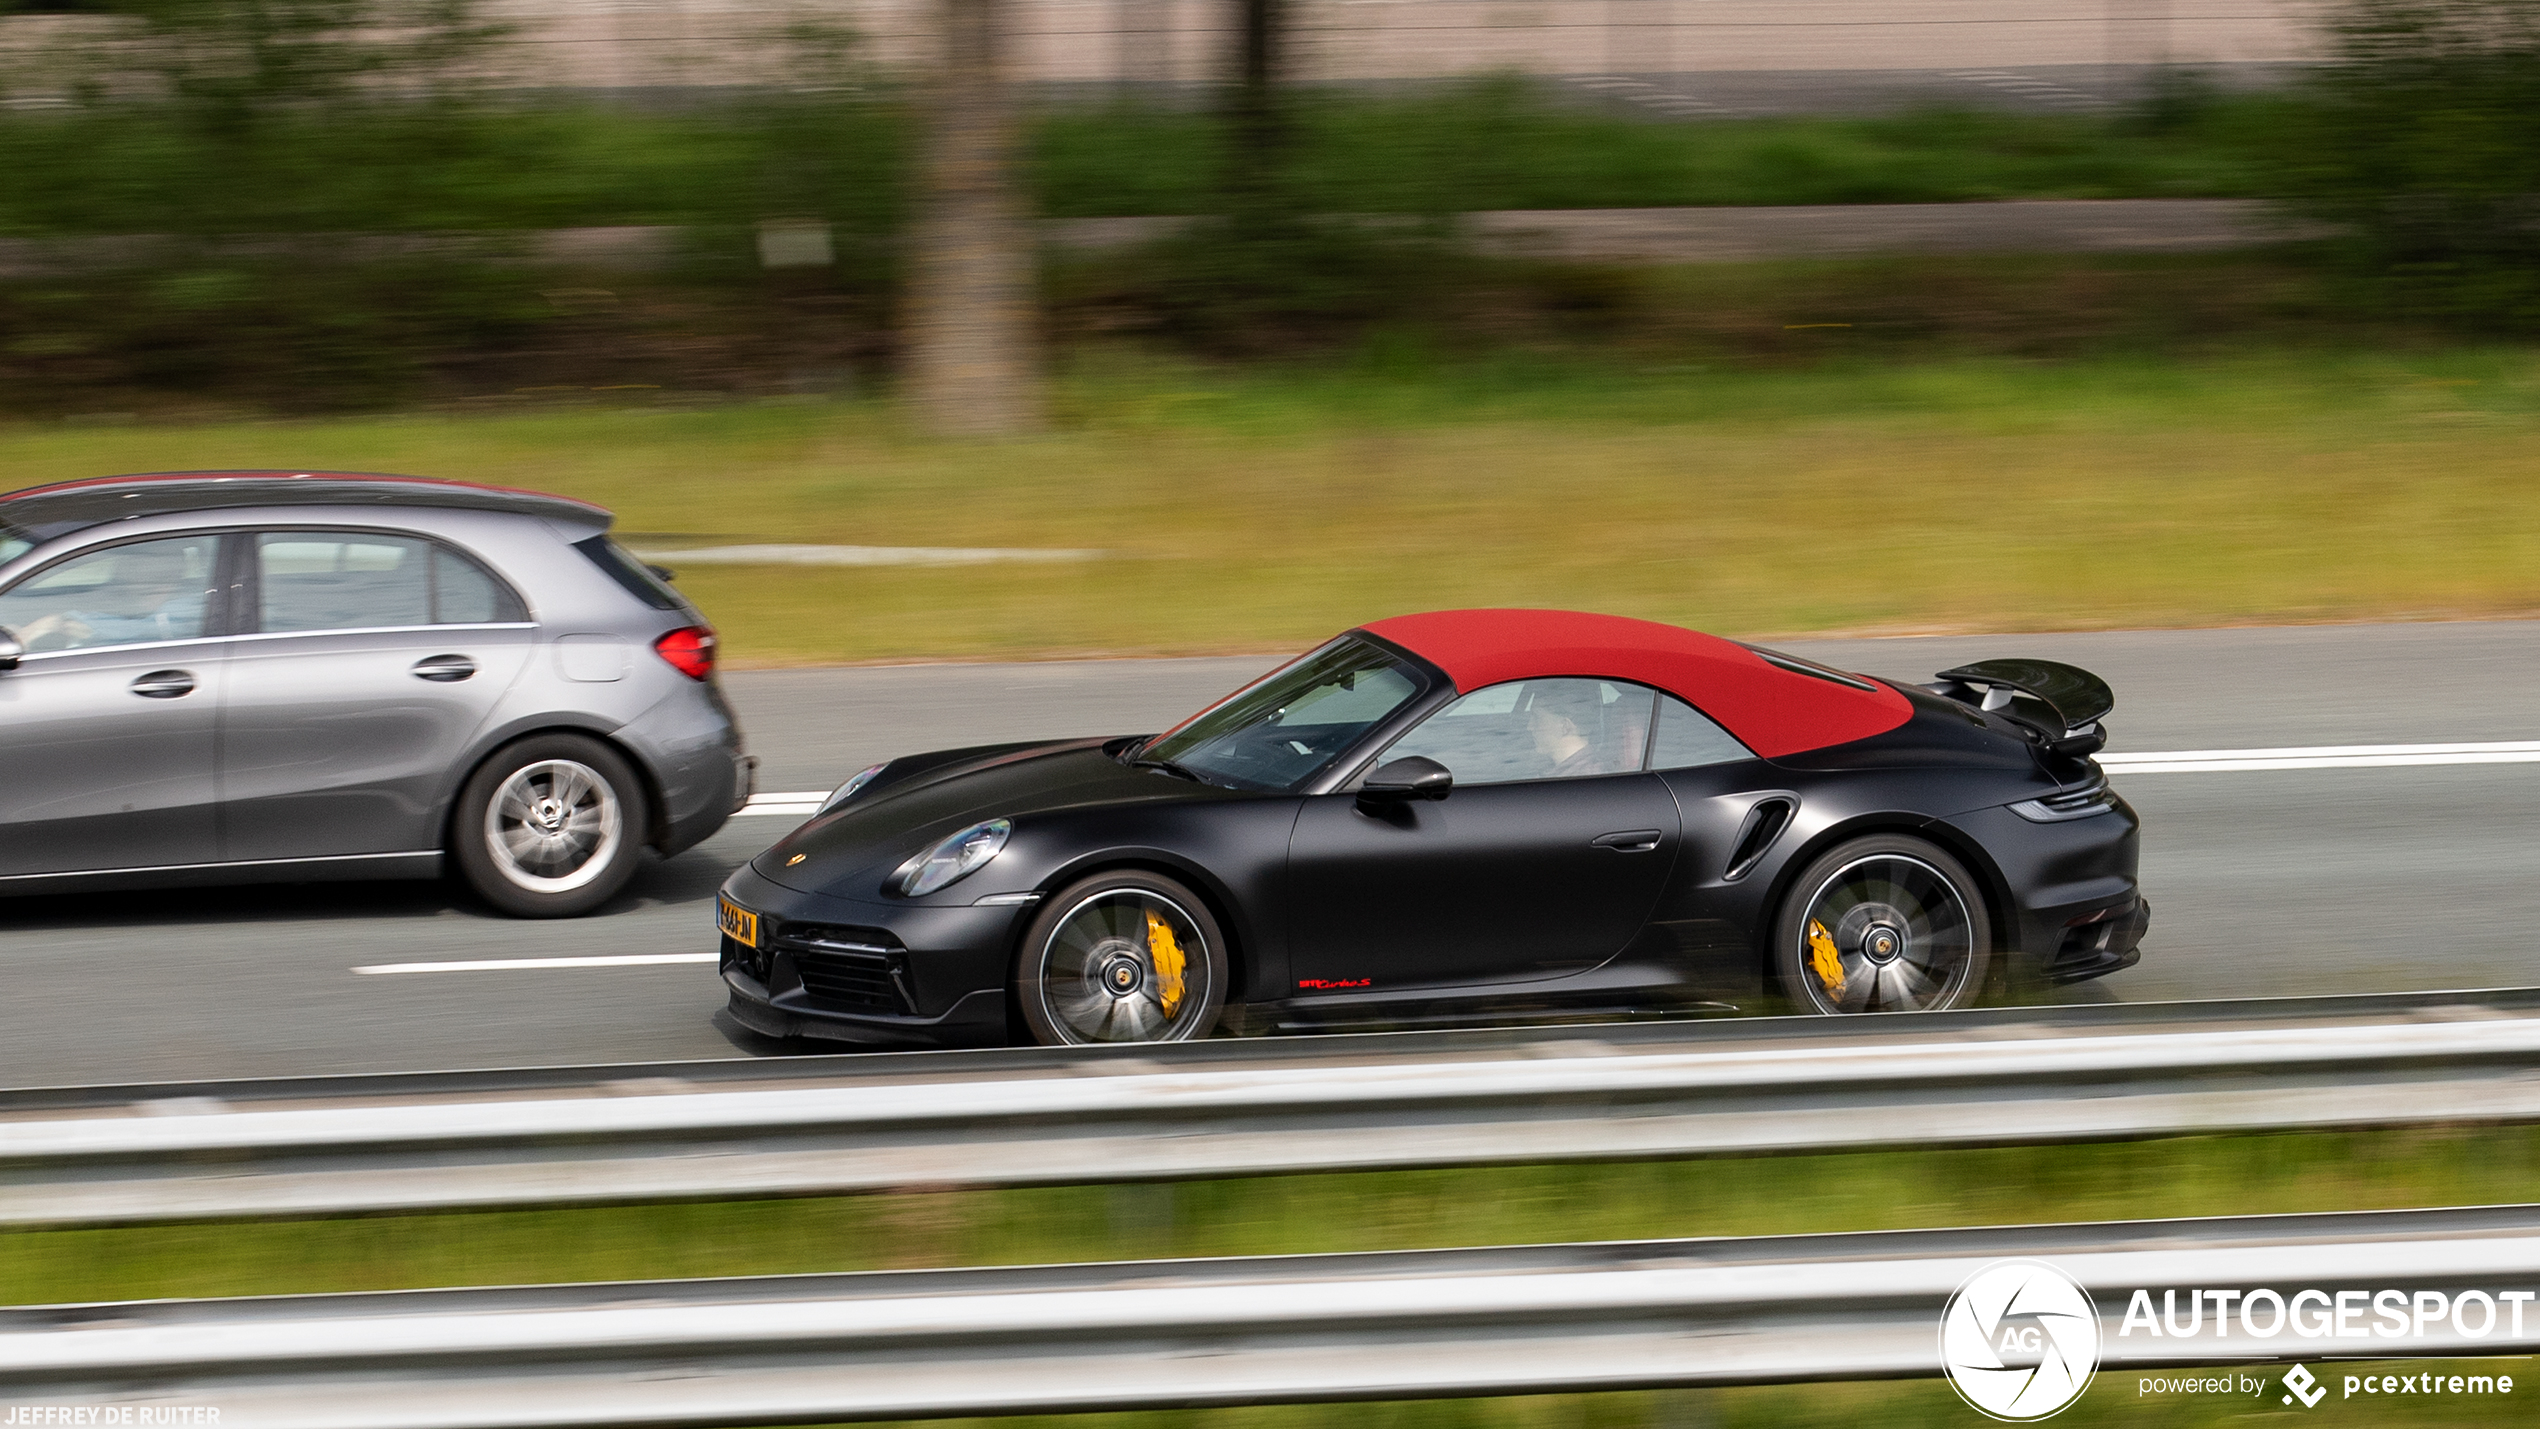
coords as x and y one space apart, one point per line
1563 717
149 597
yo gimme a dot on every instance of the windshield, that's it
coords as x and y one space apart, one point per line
13 543
1276 732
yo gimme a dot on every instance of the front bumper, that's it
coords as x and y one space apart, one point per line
886 974
978 1020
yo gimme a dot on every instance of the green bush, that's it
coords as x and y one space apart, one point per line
2422 151
472 161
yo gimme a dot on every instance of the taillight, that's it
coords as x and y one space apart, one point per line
689 649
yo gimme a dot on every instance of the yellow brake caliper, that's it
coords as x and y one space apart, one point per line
1167 956
1821 958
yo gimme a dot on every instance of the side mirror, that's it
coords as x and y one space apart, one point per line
1411 777
10 650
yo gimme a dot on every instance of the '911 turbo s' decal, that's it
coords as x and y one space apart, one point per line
1322 983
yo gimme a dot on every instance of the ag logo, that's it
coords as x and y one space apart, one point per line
2020 1340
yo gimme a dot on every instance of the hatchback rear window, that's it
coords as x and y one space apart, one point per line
623 568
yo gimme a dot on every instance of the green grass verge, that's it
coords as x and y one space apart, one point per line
1263 509
1282 1215
1406 1210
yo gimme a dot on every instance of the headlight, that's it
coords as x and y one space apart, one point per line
954 859
855 781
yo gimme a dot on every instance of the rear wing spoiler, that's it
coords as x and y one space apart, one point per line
2062 703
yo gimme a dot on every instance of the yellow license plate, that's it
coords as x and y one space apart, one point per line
738 923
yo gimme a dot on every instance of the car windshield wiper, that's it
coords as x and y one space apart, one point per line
1167 766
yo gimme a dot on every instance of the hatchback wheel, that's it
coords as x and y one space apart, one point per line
1121 957
1883 924
550 827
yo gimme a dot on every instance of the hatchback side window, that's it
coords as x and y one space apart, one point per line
123 595
1688 738
1536 729
463 593
322 580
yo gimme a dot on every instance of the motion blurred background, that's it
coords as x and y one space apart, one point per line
1768 317
1244 321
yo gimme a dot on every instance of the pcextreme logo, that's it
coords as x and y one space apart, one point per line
2301 1384
2020 1340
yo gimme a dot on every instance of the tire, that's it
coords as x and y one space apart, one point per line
593 812
1095 967
1886 923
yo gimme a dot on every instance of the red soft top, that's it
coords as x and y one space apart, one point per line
1773 711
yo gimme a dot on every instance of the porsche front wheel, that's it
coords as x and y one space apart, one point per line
1883 924
1121 957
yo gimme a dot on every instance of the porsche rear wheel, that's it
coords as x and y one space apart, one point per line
1121 957
1883 924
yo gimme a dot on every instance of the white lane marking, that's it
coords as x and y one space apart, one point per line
2324 756
801 805
488 965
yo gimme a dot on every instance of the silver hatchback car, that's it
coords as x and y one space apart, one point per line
213 677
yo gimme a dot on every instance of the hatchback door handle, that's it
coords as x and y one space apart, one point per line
444 668
164 684
1629 841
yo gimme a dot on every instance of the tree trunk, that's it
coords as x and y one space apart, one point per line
1257 131
973 367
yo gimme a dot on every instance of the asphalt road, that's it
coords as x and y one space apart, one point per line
2329 880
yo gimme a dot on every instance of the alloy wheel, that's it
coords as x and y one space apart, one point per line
553 826
1127 965
1886 933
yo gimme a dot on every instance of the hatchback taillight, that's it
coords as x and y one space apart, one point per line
690 651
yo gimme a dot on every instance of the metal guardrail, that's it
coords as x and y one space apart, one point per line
1521 1320
725 1130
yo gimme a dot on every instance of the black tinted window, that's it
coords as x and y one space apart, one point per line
1687 737
629 572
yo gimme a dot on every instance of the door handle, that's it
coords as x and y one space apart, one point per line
164 684
1629 841
445 669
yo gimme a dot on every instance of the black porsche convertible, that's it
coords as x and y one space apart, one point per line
1459 818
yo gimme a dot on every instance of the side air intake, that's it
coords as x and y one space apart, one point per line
1764 823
